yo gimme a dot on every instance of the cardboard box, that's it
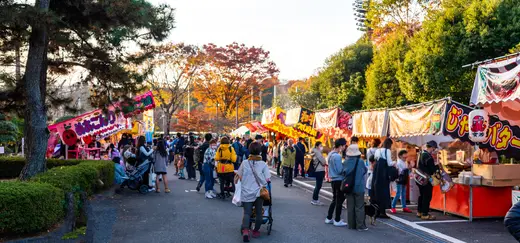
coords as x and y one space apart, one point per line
501 183
497 172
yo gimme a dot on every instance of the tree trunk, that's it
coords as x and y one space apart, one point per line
35 80
168 123
18 74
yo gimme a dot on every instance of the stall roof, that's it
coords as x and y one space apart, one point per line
497 89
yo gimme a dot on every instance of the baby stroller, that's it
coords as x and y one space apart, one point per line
135 177
267 216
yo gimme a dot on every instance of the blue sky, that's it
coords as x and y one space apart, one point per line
300 34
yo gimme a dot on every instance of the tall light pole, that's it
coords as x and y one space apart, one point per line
216 116
236 114
252 104
260 101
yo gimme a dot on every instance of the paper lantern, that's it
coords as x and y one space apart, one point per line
478 125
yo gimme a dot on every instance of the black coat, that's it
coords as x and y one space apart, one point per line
380 192
512 221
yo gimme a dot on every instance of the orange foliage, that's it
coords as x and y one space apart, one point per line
194 121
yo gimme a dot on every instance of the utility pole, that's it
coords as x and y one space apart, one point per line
216 117
252 104
236 114
260 101
189 103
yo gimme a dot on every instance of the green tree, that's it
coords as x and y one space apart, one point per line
382 88
340 82
8 131
458 33
70 35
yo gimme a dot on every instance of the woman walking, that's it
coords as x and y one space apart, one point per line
160 165
288 161
380 191
319 162
253 174
225 157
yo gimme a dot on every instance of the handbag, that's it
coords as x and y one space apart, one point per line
347 185
236 196
264 193
393 173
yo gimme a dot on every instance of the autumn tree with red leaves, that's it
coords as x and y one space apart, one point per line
230 75
194 121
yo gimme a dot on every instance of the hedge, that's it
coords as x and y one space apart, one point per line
28 207
10 167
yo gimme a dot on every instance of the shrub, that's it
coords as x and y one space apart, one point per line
29 207
10 167
105 171
70 178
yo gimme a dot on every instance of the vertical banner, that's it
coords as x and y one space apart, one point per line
148 125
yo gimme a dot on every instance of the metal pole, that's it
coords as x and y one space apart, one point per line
260 100
274 94
216 117
189 103
252 111
236 114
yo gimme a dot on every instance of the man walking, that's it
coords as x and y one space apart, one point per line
201 151
427 165
237 146
300 158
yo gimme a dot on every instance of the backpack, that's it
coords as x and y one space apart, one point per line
225 161
347 185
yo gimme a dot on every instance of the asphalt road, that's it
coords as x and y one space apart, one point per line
186 216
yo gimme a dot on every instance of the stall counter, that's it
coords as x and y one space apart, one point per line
473 202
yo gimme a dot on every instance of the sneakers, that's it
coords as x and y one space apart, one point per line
317 203
213 194
393 211
208 195
363 228
255 234
419 215
245 235
285 185
329 221
340 223
428 217
407 210
198 188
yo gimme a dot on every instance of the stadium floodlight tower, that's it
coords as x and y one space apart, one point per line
360 12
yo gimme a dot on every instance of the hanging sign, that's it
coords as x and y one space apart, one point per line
417 120
370 124
502 137
140 104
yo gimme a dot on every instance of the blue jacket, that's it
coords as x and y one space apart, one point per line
300 152
238 149
179 146
336 170
361 170
119 174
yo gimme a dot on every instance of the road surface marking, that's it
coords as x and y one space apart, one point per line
443 221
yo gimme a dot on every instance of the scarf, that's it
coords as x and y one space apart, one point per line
254 157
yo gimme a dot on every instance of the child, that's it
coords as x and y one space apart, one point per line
119 173
402 181
372 162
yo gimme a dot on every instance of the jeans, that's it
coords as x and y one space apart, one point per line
299 163
208 176
226 182
248 210
278 165
287 175
400 194
425 197
319 182
338 198
202 178
356 210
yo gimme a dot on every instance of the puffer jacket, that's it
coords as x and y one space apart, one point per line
512 221
288 157
225 157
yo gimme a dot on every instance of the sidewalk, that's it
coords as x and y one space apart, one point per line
447 228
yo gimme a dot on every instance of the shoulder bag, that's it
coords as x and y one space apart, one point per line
264 193
347 186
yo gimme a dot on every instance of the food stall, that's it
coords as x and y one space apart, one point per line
98 124
369 124
470 197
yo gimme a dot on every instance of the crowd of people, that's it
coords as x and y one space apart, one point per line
226 160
